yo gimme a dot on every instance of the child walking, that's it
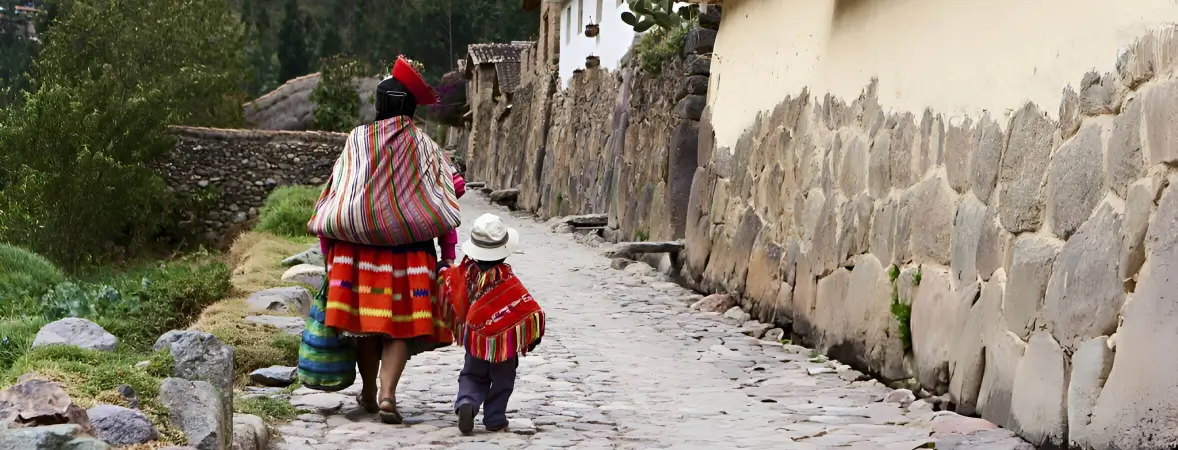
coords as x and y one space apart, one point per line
494 317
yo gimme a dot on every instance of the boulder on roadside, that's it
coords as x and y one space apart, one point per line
716 303
197 410
38 403
120 426
197 355
250 433
288 300
505 197
52 437
737 315
78 333
307 274
275 376
287 324
312 256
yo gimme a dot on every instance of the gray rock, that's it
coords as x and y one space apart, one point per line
1136 408
197 355
1023 170
1098 94
883 229
1091 365
693 85
1125 162
1140 204
993 245
287 300
1075 181
33 402
961 142
78 333
934 328
307 274
1032 259
879 165
852 173
904 139
52 437
250 433
1069 113
120 426
312 256
737 315
1039 399
505 197
902 397
321 402
1085 294
128 394
967 233
275 376
1003 352
691 107
715 303
1161 112
985 163
774 335
968 358
700 41
698 65
755 329
197 410
933 207
288 324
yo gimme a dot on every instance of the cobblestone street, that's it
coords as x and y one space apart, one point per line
627 364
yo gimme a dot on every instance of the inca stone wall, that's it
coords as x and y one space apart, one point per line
580 150
229 173
1031 261
1020 267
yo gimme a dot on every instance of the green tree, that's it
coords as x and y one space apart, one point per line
76 178
293 55
337 104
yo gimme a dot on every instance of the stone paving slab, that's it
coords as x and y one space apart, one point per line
627 365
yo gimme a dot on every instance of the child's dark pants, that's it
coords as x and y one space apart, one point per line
486 384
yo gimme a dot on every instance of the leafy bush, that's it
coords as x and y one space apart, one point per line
287 210
76 183
16 336
661 46
25 274
337 104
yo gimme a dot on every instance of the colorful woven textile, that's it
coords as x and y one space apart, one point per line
385 290
327 362
491 312
390 186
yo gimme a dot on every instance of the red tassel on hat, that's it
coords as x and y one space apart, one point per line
408 76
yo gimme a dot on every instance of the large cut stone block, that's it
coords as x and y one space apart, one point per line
1039 400
1075 185
985 163
1161 113
968 360
1085 294
1023 169
1091 365
961 143
934 328
933 207
1138 206
1137 408
1125 162
1032 259
967 233
1003 351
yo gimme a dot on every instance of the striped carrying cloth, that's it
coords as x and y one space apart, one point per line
391 186
491 312
388 291
327 362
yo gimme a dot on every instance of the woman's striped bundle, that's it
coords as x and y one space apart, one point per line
390 186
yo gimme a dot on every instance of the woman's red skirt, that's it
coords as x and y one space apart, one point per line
390 291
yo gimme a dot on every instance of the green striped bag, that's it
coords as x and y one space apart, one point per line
327 361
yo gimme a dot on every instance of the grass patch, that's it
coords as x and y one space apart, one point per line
257 258
287 210
24 274
902 310
269 409
91 377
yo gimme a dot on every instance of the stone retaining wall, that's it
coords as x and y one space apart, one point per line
1021 266
231 172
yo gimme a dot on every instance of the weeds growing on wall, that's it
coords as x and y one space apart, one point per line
287 210
901 310
660 46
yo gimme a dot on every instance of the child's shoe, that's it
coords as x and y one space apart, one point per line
466 419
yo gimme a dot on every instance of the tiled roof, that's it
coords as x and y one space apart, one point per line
493 53
508 74
462 65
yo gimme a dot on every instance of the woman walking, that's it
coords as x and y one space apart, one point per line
392 193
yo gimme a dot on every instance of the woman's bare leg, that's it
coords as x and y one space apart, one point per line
368 354
393 359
